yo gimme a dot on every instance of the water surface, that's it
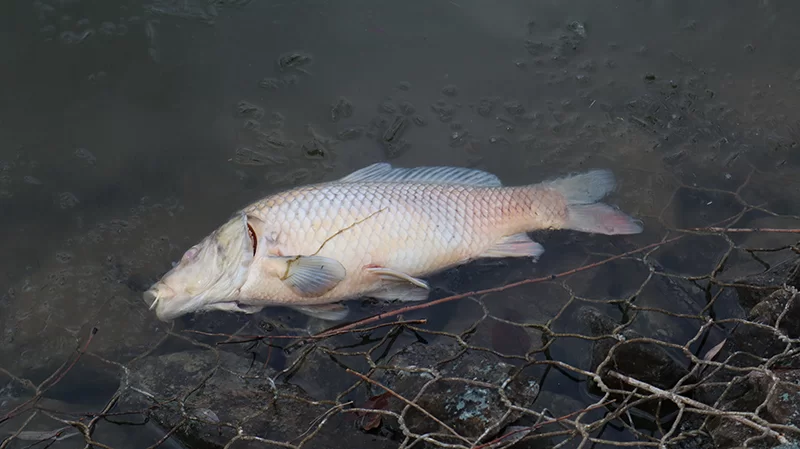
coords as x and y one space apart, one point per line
129 130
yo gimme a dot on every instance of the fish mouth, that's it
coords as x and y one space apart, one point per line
162 298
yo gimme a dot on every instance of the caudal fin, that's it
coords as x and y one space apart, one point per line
582 193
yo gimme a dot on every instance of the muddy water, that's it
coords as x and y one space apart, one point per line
128 130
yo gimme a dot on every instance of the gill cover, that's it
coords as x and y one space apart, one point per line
233 246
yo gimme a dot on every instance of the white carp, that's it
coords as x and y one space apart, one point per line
375 233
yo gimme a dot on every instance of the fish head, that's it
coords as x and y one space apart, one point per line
208 272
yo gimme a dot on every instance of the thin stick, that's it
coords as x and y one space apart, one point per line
542 424
168 434
348 329
718 229
678 399
329 333
551 277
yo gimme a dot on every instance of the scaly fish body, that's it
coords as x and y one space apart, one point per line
377 232
416 229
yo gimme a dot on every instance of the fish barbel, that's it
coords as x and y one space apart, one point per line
375 233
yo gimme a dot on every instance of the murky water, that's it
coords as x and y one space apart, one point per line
129 130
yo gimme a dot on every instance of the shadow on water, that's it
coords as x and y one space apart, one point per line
130 129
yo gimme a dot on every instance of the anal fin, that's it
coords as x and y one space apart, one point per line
515 245
328 312
399 286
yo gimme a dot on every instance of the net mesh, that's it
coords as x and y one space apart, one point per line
694 372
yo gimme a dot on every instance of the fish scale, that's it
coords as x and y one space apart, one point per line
413 228
375 232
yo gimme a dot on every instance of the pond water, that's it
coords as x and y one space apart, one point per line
129 130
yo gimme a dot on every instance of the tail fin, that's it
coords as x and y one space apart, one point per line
582 193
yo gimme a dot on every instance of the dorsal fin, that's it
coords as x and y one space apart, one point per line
384 172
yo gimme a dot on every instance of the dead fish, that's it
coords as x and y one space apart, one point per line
375 233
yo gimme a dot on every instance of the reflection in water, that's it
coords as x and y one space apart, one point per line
131 129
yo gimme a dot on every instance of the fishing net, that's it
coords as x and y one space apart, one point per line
668 358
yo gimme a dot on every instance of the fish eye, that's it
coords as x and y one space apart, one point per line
253 238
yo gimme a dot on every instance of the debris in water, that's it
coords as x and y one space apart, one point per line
294 61
371 421
248 156
577 28
247 109
342 109
450 90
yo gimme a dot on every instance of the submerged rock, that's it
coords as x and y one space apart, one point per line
763 348
644 361
210 397
759 336
754 289
772 302
778 400
471 392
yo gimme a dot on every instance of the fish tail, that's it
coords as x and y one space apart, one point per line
584 213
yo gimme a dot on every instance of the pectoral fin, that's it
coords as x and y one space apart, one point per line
400 286
328 312
310 276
